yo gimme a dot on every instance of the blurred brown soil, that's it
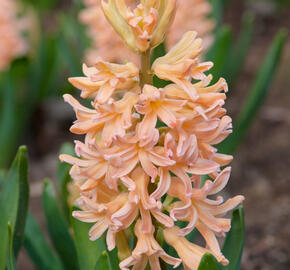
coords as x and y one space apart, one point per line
261 168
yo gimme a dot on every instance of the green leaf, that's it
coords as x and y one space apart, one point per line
88 251
234 243
2 179
7 119
38 249
219 52
57 228
10 257
103 262
23 200
208 262
13 194
64 178
239 52
257 95
114 260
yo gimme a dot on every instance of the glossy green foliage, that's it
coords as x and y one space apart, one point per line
13 208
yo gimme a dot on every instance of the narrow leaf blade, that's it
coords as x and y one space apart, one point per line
10 256
257 95
234 243
218 53
9 205
23 200
239 51
57 227
38 249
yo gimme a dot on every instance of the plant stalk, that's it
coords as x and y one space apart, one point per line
145 73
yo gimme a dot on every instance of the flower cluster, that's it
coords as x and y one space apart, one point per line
146 149
12 43
191 14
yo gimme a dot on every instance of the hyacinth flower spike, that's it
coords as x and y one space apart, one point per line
128 164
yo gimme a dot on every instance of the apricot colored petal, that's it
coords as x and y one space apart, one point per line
147 164
228 205
98 229
221 181
163 185
203 167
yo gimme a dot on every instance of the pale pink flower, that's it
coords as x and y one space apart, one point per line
103 79
181 63
91 166
153 104
111 119
13 44
147 249
184 151
133 148
112 213
115 211
201 212
189 253
205 117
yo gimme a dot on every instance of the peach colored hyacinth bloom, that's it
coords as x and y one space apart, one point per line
190 15
144 145
12 44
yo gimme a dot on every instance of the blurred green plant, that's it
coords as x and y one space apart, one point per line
39 75
256 96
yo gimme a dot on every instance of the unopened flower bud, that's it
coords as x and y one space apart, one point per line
114 16
166 13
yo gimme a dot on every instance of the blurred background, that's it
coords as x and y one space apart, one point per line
251 49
